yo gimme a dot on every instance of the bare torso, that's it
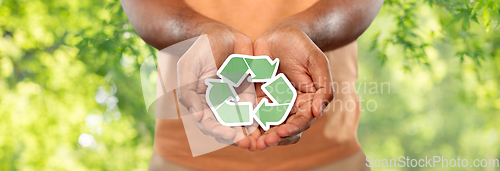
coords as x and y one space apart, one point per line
251 17
333 135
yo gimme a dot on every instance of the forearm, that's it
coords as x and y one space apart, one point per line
335 23
161 23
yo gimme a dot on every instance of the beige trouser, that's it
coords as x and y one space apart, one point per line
354 162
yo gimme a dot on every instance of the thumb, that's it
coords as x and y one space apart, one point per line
322 80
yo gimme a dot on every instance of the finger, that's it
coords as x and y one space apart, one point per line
240 139
253 143
190 99
189 69
210 126
243 44
261 47
242 143
322 79
261 144
290 140
297 123
295 126
254 132
268 138
224 141
272 139
224 134
321 100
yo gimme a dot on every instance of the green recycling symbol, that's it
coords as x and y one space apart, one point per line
223 99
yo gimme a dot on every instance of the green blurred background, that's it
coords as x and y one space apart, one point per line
71 99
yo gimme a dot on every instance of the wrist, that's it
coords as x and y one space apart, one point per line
307 24
210 26
284 30
297 22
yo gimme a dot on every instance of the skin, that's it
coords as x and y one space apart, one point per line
298 41
198 64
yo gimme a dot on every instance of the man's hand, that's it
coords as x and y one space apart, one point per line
329 23
308 70
200 62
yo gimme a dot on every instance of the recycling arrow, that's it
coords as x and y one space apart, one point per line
236 67
223 100
282 94
262 68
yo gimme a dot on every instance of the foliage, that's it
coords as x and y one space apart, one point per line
463 23
447 101
70 68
